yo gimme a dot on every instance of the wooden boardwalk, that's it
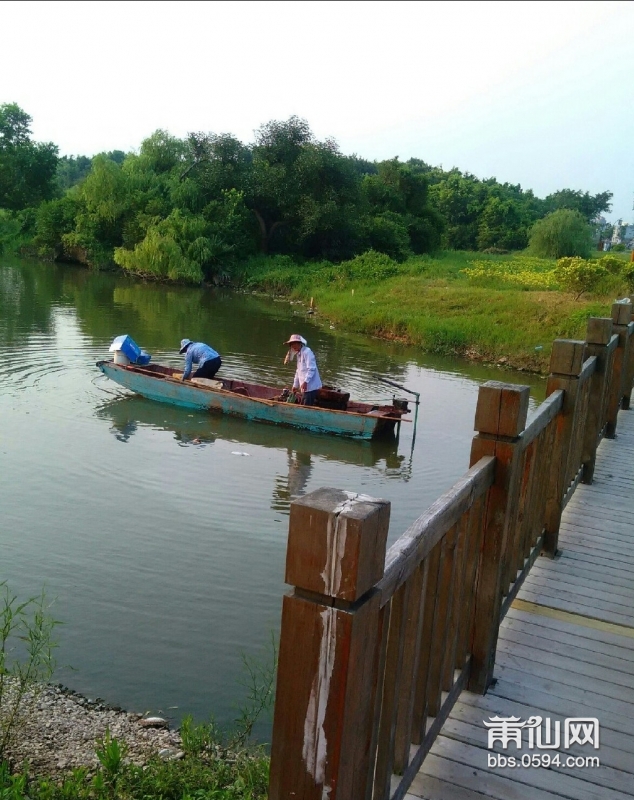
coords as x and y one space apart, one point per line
565 649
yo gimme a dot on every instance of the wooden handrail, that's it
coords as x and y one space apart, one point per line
419 539
375 648
540 418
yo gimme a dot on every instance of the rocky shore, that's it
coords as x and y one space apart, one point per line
61 728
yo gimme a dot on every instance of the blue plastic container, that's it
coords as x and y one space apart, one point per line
143 359
127 346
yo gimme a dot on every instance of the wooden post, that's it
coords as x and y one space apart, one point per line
598 339
623 327
628 378
566 361
329 647
500 418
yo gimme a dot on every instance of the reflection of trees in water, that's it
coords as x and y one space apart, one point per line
28 292
159 316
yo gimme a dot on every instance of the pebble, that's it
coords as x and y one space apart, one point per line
64 726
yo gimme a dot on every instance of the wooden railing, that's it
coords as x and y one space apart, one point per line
375 648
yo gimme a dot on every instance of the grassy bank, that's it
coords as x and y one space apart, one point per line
240 777
482 306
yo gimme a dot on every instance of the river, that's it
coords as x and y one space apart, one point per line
160 533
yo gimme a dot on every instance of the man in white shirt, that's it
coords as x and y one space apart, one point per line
307 378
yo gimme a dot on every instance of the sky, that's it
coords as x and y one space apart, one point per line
535 93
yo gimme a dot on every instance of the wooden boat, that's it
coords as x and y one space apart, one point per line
333 412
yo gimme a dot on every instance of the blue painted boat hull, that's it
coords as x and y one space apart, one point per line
166 389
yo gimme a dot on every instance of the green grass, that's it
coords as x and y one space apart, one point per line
240 777
431 302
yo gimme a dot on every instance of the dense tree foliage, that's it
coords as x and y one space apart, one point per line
188 209
486 214
27 168
71 170
589 206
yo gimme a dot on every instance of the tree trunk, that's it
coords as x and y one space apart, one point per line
265 236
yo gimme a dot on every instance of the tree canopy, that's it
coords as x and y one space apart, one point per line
188 209
27 168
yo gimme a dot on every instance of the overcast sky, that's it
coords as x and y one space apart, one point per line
536 93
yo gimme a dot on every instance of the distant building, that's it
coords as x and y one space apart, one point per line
623 234
627 235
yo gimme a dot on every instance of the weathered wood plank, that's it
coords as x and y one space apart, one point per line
598 610
409 668
419 714
606 775
540 418
420 538
440 636
516 651
566 361
587 579
587 573
537 639
389 702
501 501
451 773
518 687
596 591
560 783
607 632
438 789
533 673
474 709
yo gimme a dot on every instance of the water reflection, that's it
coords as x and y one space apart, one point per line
126 415
292 485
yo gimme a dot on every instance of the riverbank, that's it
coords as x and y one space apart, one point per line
69 746
62 727
501 309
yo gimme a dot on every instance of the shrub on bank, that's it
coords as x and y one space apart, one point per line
519 273
578 276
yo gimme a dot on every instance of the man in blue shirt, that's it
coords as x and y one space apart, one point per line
199 353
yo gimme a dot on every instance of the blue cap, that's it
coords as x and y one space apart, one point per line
185 344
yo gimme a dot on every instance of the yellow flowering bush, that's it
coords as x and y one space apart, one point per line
578 275
521 273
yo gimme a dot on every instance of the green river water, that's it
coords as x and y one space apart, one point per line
160 532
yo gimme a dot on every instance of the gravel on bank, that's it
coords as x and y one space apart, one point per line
61 730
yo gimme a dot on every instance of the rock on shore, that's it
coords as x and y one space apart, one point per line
60 732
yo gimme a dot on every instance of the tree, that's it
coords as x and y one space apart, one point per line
303 193
589 206
562 233
71 170
27 168
398 197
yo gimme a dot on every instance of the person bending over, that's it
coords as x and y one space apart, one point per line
199 353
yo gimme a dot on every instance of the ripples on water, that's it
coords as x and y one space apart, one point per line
162 544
